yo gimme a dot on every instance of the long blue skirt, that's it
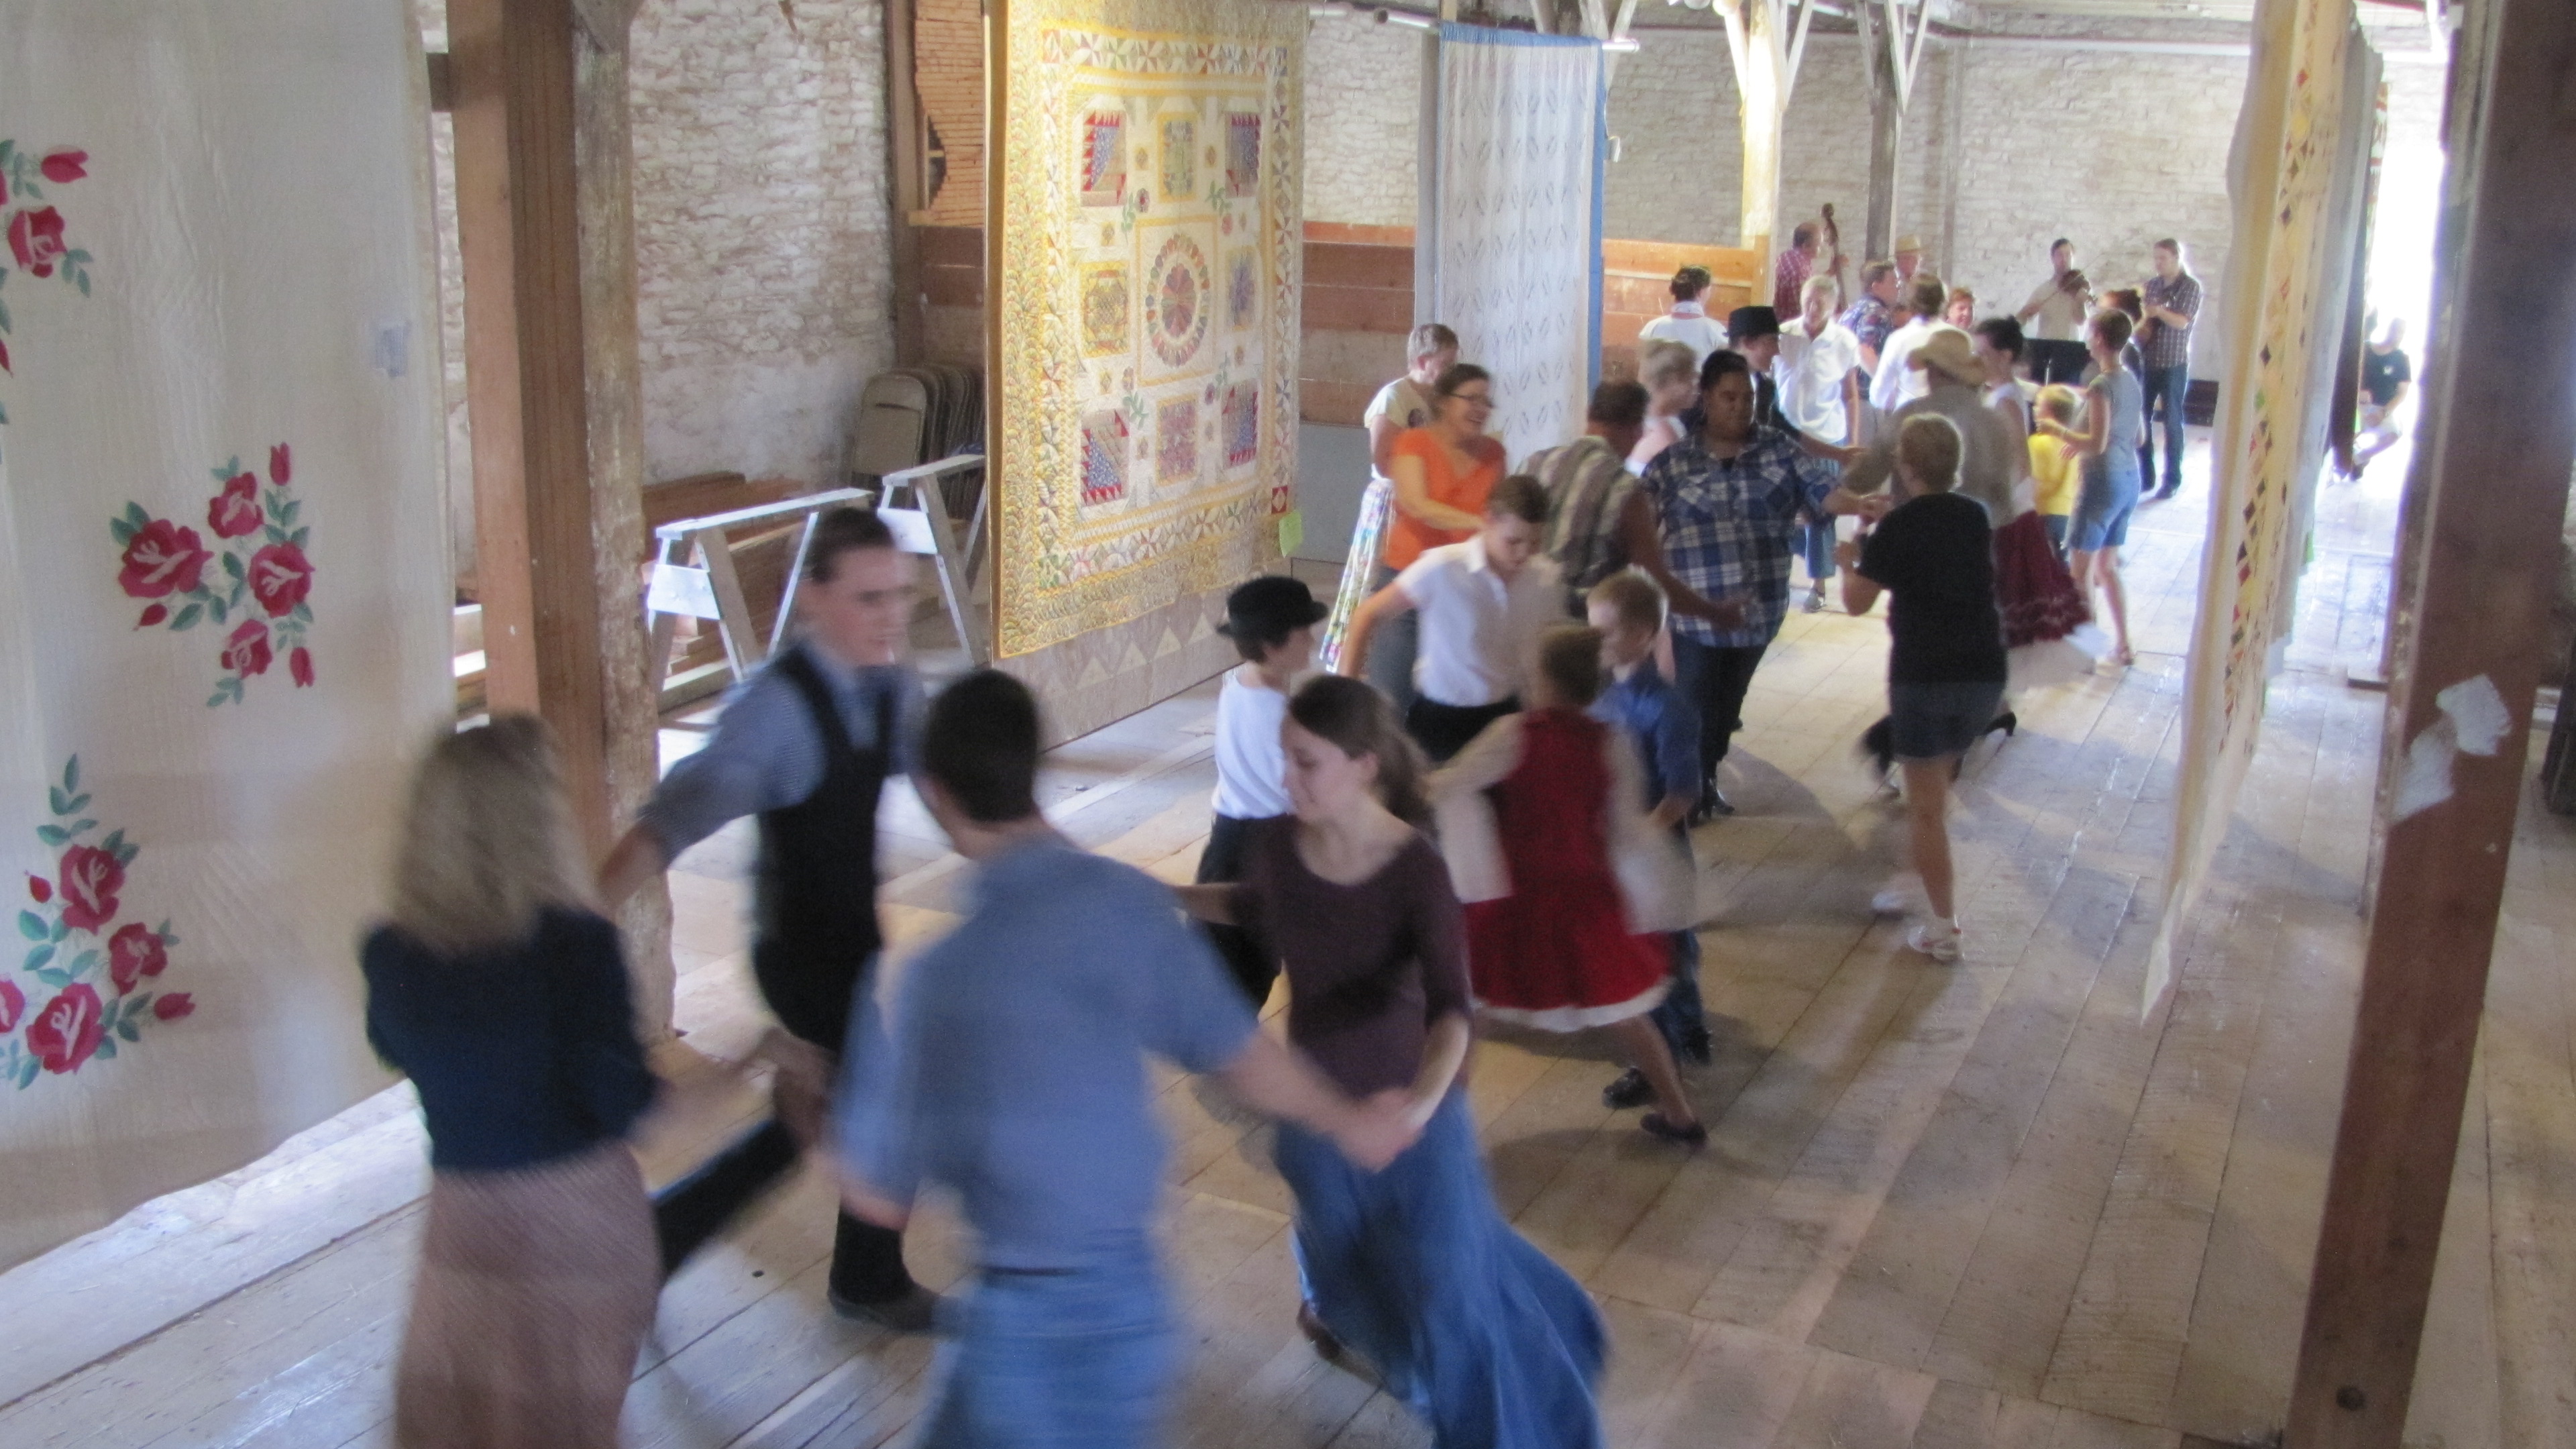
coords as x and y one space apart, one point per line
1481 1333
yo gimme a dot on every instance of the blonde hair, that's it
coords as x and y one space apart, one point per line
1927 448
1569 659
1663 361
487 840
1634 599
2060 403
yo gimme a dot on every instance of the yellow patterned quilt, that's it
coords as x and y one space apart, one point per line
1146 282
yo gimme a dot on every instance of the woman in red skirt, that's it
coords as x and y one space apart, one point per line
1571 893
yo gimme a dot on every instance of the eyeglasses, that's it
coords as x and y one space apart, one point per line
1475 399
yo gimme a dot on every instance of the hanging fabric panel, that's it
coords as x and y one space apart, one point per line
224 584
1513 221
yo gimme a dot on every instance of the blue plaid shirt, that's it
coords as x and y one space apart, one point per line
1730 526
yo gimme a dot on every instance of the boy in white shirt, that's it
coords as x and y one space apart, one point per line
1272 623
1483 604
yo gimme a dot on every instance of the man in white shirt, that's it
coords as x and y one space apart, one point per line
1688 323
1482 605
2053 319
1898 381
1818 372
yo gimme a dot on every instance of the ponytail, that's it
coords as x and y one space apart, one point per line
1357 720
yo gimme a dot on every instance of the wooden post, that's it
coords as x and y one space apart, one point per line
2495 445
545 222
1754 43
903 164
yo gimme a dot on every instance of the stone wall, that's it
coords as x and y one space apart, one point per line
761 230
1363 113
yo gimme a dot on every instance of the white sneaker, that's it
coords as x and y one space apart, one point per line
1936 938
1901 896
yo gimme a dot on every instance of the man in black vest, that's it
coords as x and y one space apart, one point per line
806 744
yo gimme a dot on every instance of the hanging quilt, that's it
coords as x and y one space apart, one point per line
1513 218
1145 296
2295 185
224 586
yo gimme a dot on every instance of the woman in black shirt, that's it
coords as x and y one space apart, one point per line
1934 552
504 995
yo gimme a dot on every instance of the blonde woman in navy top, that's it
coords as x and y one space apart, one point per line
504 995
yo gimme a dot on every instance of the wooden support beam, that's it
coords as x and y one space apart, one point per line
1882 50
545 224
904 165
1756 45
2494 446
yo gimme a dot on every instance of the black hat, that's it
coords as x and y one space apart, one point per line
1269 607
1745 324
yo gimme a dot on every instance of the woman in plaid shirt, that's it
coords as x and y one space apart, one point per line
1718 517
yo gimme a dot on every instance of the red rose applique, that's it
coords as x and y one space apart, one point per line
65 167
37 237
279 465
280 577
133 953
67 1030
246 653
40 888
300 665
91 877
153 615
161 559
235 511
173 1006
13 1004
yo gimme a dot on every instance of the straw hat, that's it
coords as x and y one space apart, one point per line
1907 243
1946 350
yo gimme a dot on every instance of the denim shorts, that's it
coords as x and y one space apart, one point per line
1936 721
2103 507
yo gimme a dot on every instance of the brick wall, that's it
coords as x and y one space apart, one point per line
760 219
1363 110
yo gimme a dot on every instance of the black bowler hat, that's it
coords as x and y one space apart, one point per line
1745 324
1270 607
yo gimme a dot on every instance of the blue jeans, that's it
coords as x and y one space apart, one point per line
1714 677
1392 647
1816 543
1080 1359
1471 1326
2168 384
1681 1016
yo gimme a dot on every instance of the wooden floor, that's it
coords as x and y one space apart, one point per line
1979 1205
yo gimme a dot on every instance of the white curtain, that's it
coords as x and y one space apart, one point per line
224 582
1513 223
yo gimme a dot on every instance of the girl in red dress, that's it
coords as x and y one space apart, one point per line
1569 888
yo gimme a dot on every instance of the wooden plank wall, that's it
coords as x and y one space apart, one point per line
1359 306
952 289
1357 309
1636 288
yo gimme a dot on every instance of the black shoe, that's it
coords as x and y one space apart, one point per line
2162 495
1328 1344
2008 722
1629 1091
914 1311
1711 806
1695 1135
1697 1046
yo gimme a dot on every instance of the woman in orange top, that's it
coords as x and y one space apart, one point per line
1442 472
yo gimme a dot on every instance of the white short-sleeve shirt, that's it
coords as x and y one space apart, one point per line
1250 767
1406 403
1479 634
1810 373
1898 381
1688 324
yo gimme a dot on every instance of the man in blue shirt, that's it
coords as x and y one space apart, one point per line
806 744
1010 1069
1628 610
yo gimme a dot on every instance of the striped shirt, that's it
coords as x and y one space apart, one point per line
1587 484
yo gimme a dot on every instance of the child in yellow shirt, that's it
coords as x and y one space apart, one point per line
2054 468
